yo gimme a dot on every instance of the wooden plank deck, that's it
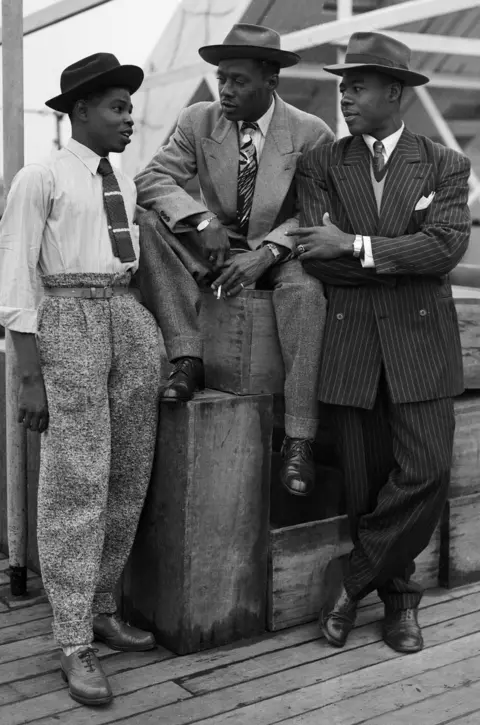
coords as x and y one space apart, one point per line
290 677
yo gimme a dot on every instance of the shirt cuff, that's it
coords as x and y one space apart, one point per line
19 320
368 260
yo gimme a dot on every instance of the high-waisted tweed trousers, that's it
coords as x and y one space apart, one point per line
101 366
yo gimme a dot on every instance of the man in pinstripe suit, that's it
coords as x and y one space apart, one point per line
385 219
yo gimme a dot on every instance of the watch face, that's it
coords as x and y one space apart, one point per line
203 225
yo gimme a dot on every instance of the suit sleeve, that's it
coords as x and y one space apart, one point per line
444 235
314 202
321 134
160 186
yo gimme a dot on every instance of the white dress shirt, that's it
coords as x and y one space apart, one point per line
55 222
258 136
389 145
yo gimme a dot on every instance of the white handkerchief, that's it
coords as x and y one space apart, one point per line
424 202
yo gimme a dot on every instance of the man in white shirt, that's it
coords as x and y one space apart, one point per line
384 219
244 150
89 363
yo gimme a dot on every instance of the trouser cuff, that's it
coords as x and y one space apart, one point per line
301 427
104 603
73 632
184 347
397 602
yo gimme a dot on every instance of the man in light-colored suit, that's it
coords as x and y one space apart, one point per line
244 150
385 218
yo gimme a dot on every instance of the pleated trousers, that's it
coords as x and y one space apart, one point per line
100 363
396 460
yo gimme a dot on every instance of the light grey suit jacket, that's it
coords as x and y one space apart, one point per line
206 143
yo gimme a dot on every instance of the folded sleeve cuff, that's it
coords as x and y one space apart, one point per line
368 260
19 320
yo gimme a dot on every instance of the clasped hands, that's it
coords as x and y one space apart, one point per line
237 272
325 242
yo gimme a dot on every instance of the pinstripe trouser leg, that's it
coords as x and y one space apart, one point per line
100 364
396 460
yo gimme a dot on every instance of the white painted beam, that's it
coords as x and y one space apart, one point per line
429 43
446 134
55 13
399 14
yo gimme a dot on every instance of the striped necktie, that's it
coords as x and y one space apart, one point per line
379 166
118 226
247 174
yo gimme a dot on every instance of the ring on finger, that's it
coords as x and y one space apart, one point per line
301 249
211 258
242 285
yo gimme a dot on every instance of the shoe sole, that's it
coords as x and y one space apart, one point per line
296 493
181 398
125 649
84 700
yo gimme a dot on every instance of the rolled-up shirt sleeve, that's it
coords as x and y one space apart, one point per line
21 232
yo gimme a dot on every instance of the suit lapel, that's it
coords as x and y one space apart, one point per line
221 156
403 186
275 173
354 187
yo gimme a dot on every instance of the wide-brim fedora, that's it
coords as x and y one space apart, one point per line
250 41
97 71
375 51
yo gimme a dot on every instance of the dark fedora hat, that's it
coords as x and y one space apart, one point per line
250 41
100 70
375 51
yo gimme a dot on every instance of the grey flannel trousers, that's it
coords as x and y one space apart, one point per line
100 363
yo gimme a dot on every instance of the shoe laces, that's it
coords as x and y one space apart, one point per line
86 656
300 446
182 366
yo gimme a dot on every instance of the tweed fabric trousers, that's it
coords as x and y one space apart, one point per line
169 277
396 460
100 362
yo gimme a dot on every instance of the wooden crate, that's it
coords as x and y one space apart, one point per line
298 557
467 302
241 348
198 572
460 562
465 477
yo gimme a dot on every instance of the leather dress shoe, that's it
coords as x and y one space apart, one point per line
85 677
187 376
401 631
337 618
119 635
298 469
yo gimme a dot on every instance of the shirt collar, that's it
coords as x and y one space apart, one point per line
389 143
264 121
88 157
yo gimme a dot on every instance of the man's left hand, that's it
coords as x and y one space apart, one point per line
243 270
326 242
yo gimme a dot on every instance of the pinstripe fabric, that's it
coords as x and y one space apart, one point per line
392 356
402 311
396 461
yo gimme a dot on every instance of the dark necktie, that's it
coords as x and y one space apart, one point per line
379 166
118 226
247 174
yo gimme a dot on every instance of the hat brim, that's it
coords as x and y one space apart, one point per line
408 77
124 76
214 54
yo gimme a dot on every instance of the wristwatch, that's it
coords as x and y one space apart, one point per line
204 223
274 251
357 246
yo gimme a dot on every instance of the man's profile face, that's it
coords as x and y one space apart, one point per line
245 91
367 102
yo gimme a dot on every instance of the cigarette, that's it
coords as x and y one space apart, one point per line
219 292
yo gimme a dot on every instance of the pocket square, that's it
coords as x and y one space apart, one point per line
424 202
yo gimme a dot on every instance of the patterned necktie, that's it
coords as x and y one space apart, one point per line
247 174
379 166
118 226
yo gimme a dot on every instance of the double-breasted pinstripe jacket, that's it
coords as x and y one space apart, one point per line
400 315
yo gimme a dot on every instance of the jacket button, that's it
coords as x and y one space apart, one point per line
423 312
339 316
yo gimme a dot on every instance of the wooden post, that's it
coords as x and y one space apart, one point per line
344 10
13 146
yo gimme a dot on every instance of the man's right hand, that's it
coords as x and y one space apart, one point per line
32 404
214 240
